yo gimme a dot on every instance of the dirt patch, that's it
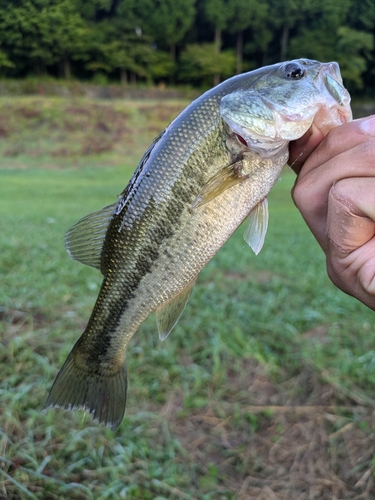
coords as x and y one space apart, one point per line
299 440
16 322
29 113
3 132
40 128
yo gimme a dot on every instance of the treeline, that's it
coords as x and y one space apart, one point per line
194 42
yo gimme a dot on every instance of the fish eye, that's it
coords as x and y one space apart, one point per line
294 71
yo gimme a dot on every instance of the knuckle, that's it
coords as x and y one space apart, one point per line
350 134
366 151
302 194
342 188
339 271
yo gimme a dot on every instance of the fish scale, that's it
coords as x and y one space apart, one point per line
211 168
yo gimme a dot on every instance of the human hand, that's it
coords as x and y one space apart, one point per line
335 193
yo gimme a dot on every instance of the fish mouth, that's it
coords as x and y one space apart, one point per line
327 106
337 110
267 117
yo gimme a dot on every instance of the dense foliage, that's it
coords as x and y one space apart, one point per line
183 41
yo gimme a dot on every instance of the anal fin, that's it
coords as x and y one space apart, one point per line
168 315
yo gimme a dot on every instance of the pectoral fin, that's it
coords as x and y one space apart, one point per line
226 178
168 315
258 223
84 240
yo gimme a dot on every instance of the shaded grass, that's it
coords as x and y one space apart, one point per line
263 390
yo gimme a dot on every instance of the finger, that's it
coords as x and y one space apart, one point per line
301 149
347 134
340 139
351 214
355 273
310 193
351 243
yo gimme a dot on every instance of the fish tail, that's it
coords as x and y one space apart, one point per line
100 393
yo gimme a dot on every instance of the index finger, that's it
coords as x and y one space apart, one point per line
347 151
339 140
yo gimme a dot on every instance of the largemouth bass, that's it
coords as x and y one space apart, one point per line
210 169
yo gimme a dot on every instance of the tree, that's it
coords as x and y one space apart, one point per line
20 34
218 14
64 33
152 39
168 21
284 15
95 10
245 14
41 33
353 50
326 36
201 63
4 61
361 17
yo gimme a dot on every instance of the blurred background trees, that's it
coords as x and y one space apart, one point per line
190 42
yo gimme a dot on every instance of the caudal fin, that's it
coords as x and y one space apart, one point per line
101 395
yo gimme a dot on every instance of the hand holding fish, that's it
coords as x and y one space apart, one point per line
335 193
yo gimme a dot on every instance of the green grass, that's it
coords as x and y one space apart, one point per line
207 414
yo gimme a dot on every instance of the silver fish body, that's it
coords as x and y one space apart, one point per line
213 166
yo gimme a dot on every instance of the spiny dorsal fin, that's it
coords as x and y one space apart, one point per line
224 179
258 223
125 196
146 156
168 315
84 240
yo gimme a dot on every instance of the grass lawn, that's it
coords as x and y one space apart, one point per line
264 389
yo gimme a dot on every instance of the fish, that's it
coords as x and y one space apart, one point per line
207 172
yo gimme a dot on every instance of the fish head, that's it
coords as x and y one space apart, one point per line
283 102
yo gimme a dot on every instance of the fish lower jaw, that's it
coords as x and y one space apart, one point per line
267 149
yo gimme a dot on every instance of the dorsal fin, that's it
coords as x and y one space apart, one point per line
146 156
168 315
84 240
125 196
258 223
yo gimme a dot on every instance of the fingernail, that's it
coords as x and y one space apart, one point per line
368 125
